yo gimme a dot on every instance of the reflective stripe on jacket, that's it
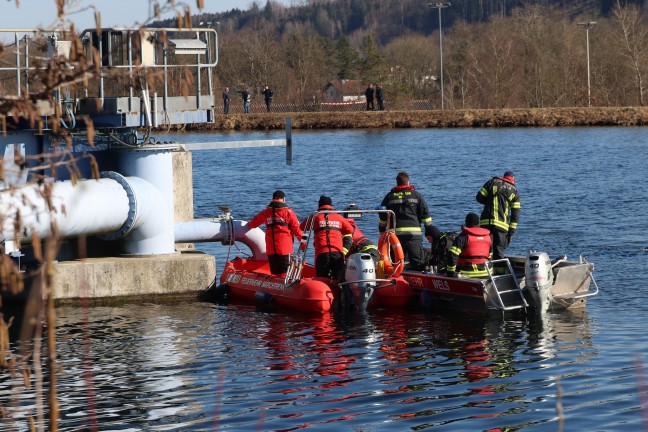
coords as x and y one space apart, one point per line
281 226
501 201
410 209
356 242
328 229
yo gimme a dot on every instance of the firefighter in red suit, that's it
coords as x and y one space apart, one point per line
282 225
470 250
328 230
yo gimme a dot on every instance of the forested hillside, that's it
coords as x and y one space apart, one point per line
496 53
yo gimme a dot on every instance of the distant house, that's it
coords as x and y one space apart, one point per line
344 91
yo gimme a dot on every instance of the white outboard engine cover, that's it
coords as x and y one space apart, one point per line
538 278
359 279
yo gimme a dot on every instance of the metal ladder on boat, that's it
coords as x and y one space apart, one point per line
506 294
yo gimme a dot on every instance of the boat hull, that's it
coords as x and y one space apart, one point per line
569 288
436 290
251 280
388 293
398 295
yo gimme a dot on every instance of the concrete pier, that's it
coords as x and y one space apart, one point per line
101 278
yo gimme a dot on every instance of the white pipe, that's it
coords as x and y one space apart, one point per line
152 233
152 164
213 230
89 207
113 208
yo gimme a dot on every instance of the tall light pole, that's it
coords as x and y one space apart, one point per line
587 26
440 5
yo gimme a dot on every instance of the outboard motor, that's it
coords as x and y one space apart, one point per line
359 280
538 278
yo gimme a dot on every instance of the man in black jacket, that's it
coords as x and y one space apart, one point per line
267 95
369 94
411 211
501 201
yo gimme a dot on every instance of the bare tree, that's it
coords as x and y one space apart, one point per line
632 37
493 69
412 60
304 54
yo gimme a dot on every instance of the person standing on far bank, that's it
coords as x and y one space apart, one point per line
501 201
380 97
245 95
369 95
267 96
226 100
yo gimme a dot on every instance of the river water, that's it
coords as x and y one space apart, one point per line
200 366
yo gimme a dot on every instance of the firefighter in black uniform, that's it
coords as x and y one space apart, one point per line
501 201
411 211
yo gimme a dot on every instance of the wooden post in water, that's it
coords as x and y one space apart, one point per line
288 141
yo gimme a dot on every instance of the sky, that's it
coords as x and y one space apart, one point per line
114 13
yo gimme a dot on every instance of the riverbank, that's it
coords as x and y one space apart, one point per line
486 118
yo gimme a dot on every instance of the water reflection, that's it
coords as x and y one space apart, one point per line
199 366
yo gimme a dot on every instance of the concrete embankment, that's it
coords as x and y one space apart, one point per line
474 118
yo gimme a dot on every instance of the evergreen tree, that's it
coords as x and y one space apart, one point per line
347 59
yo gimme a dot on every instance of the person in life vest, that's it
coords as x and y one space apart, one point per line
356 242
501 213
328 230
282 225
411 211
470 250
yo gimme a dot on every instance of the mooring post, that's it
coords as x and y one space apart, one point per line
288 141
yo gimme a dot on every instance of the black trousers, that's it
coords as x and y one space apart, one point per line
500 242
413 250
278 263
329 265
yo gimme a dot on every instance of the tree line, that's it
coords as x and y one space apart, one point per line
496 53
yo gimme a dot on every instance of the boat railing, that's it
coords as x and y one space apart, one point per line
581 271
298 259
504 286
589 293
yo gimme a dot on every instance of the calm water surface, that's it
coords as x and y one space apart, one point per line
198 366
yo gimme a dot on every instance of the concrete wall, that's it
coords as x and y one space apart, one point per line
183 191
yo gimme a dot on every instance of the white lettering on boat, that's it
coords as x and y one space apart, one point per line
441 285
233 277
256 283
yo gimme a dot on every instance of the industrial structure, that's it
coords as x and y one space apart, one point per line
137 213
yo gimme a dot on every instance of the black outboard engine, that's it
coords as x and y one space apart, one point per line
359 281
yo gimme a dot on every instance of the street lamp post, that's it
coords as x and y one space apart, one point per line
440 5
587 26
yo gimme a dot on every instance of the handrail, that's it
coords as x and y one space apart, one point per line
588 293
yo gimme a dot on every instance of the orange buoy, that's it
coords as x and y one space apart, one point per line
388 244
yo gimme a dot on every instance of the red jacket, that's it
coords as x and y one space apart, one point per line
477 248
328 228
281 226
